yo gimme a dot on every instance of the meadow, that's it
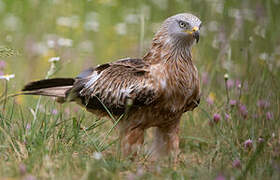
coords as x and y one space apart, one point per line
233 134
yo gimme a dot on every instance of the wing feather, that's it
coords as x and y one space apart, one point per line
113 84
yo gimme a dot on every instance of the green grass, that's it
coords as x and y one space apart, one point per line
40 138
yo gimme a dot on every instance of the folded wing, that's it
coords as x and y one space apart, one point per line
115 86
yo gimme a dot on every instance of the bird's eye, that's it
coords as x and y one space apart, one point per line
182 24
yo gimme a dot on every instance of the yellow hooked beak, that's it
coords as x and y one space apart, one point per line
194 29
194 32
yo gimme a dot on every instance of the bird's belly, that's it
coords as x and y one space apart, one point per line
167 111
178 92
176 101
152 116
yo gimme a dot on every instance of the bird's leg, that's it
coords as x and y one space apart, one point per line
131 140
166 142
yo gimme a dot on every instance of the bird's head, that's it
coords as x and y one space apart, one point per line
181 29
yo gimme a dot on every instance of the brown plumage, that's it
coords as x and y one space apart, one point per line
152 92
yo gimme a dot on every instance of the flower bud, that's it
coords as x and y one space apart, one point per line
226 76
216 118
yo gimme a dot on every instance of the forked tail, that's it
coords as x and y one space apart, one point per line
49 87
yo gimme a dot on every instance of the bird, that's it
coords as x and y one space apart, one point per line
153 91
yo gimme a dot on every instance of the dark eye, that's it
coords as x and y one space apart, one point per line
182 24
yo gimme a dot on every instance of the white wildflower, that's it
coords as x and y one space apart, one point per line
91 22
72 21
51 43
7 76
65 42
263 56
97 155
91 25
54 59
121 28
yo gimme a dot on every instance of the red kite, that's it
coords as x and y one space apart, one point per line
152 92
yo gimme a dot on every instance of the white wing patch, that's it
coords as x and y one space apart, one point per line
94 77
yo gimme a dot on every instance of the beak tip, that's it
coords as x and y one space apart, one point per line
196 36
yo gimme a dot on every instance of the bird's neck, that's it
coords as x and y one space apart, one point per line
174 72
169 52
173 62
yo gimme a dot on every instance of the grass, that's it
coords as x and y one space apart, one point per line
44 140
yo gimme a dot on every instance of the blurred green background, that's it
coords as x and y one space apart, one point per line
85 33
238 37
